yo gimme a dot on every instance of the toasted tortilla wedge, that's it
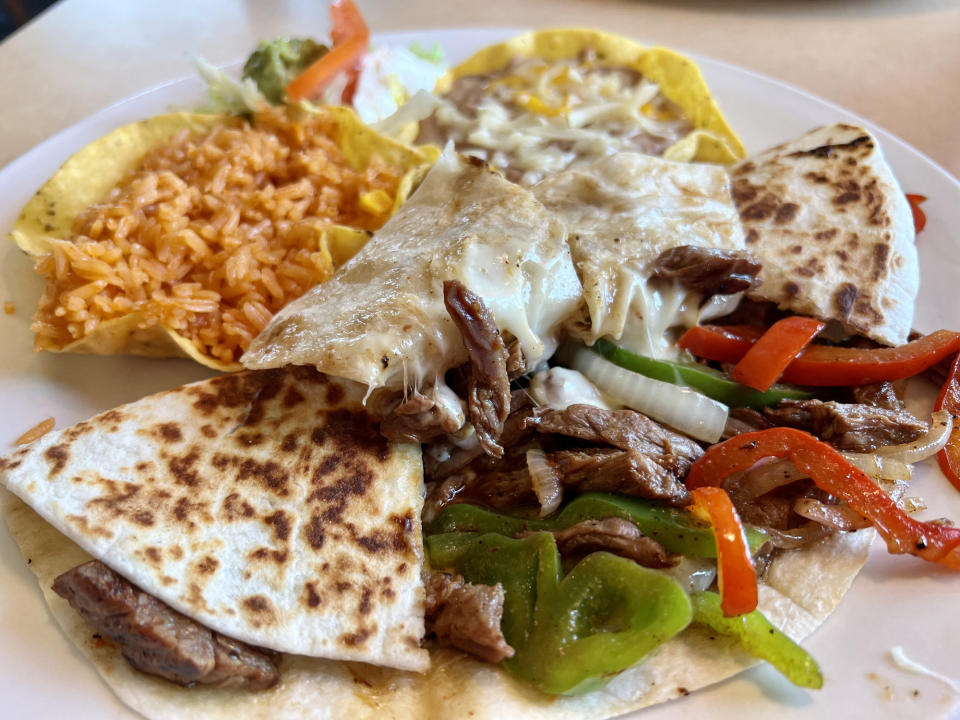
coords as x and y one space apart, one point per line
832 227
381 320
264 505
803 588
621 212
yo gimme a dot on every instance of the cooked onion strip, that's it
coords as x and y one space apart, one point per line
838 517
796 537
941 425
879 466
681 408
545 481
761 479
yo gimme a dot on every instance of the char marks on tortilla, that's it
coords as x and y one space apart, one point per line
833 230
264 505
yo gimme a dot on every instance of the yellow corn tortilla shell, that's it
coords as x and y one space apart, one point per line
802 588
679 79
89 175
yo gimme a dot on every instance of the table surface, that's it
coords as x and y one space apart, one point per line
895 62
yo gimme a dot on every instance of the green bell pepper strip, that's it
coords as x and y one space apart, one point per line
759 638
710 382
570 634
677 530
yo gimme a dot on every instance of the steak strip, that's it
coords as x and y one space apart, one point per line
710 271
881 395
156 639
467 616
623 429
626 472
423 416
614 535
854 428
488 388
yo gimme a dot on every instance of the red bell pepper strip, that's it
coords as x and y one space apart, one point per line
826 365
769 356
833 473
736 574
949 400
351 39
919 216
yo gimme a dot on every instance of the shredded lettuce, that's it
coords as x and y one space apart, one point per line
227 94
434 54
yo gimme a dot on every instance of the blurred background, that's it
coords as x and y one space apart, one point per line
14 14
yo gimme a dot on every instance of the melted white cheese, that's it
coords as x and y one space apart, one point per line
559 388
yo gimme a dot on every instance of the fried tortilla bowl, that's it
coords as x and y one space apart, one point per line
679 78
146 295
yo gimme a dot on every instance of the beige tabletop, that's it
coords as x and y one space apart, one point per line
896 62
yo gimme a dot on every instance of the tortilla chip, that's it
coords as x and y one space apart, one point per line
89 175
679 78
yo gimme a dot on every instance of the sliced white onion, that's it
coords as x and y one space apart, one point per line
681 408
941 425
838 517
545 481
693 574
880 467
797 537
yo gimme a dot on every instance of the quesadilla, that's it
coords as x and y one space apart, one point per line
622 213
803 589
381 320
265 506
553 99
833 230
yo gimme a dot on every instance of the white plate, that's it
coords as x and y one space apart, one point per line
894 601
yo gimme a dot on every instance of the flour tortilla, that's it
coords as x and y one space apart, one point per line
266 506
830 224
381 320
621 212
802 589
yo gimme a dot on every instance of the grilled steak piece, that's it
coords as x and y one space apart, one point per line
710 271
741 420
158 640
447 456
488 388
854 428
881 395
627 472
423 416
516 363
623 429
615 535
467 616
